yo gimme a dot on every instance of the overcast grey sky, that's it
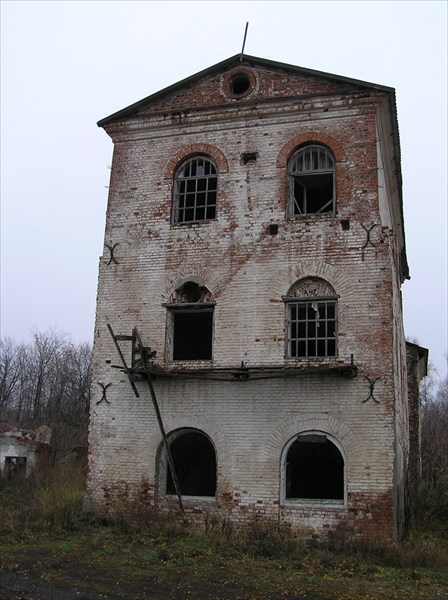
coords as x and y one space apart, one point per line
65 65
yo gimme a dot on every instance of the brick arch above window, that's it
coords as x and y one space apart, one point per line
310 138
192 149
311 287
299 423
190 291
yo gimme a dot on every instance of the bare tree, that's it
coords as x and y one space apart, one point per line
47 382
434 483
9 370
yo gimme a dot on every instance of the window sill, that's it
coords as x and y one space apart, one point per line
191 363
331 360
328 214
193 500
347 370
176 225
310 503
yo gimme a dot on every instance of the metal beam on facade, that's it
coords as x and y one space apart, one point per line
137 346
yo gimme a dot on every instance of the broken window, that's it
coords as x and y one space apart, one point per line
313 469
311 181
191 322
15 467
311 315
194 460
195 188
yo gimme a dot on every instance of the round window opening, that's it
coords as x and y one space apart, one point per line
239 84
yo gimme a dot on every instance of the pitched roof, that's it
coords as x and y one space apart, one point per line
234 61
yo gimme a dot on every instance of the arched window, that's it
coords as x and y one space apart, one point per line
311 319
311 181
313 469
190 323
194 460
195 187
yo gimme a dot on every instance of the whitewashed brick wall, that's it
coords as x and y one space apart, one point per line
248 270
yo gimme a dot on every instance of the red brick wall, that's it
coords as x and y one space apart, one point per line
248 270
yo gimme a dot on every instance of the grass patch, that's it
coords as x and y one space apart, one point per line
50 499
45 531
110 561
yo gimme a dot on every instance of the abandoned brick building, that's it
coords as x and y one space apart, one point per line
22 450
249 354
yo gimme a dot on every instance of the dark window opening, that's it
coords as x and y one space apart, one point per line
195 190
195 463
193 333
312 329
239 84
191 292
313 194
314 469
311 181
15 467
249 157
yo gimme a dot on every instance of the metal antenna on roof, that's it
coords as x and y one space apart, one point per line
244 42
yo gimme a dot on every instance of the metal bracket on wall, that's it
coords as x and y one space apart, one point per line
141 357
111 250
369 231
103 397
371 390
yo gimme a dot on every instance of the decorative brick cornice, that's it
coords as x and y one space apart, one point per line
185 151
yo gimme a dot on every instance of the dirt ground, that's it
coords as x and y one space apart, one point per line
99 564
19 585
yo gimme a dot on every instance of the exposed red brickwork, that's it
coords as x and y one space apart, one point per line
372 517
228 77
248 257
318 137
185 151
270 85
